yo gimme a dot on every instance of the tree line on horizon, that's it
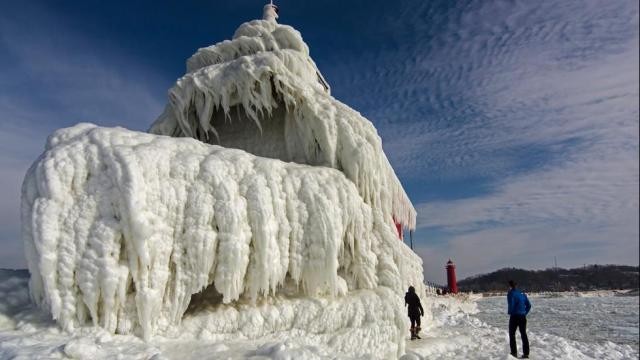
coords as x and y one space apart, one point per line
590 277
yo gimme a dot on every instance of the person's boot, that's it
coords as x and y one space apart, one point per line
418 332
413 333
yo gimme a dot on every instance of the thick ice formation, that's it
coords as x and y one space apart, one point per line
262 93
298 202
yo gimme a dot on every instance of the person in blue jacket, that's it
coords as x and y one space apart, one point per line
519 307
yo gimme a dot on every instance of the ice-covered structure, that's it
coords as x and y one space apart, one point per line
254 185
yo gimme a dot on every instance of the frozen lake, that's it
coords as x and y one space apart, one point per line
579 326
586 318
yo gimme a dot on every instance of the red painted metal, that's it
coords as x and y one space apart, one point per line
398 229
451 277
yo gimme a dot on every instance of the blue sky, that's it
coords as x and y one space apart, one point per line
513 124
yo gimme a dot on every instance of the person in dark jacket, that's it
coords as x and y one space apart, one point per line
415 310
518 308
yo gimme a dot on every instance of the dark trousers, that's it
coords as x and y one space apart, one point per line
518 321
415 320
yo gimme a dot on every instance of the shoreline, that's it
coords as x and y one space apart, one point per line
577 293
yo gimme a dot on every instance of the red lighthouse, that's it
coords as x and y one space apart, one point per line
451 277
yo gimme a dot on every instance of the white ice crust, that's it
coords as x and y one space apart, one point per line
266 191
324 329
265 82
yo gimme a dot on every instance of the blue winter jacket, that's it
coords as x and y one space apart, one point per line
518 302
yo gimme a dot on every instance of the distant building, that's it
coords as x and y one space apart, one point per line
452 284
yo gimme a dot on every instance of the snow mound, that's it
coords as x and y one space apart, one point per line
122 228
365 323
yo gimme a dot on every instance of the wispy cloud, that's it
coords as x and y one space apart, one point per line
52 71
52 77
537 99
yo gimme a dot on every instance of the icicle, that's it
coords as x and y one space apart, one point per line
324 131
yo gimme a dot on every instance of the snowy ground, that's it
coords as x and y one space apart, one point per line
603 327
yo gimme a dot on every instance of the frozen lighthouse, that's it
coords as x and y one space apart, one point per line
255 199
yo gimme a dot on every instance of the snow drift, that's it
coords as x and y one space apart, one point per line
266 189
301 328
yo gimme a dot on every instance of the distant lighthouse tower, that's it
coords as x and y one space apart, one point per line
451 277
270 12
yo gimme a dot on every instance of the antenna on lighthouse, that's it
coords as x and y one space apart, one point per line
270 11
